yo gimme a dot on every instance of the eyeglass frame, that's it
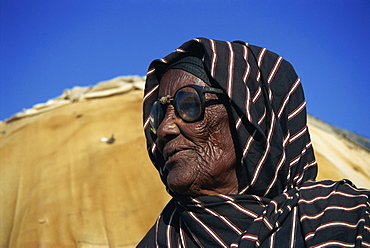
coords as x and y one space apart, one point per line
170 100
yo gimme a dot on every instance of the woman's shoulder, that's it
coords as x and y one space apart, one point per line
332 202
328 189
338 193
333 211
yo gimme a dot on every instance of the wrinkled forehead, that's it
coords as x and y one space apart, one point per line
174 79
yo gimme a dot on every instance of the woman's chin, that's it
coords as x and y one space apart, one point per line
180 183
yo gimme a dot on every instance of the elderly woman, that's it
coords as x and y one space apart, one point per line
225 124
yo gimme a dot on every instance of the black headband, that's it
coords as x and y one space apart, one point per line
191 64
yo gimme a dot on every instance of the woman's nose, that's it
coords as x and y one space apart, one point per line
168 127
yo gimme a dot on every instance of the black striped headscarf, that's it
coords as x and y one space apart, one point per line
276 170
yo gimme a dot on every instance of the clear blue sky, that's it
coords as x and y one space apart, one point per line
47 46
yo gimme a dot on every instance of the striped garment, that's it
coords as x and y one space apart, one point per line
279 203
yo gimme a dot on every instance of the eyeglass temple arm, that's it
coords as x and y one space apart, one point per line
213 90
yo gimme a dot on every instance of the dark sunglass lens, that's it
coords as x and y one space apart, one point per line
156 116
188 104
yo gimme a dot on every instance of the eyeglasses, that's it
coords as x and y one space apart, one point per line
188 101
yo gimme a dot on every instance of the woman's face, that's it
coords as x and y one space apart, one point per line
200 156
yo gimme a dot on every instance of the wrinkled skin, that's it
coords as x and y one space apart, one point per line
200 156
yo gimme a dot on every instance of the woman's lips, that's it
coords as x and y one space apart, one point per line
170 150
174 150
168 156
172 157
